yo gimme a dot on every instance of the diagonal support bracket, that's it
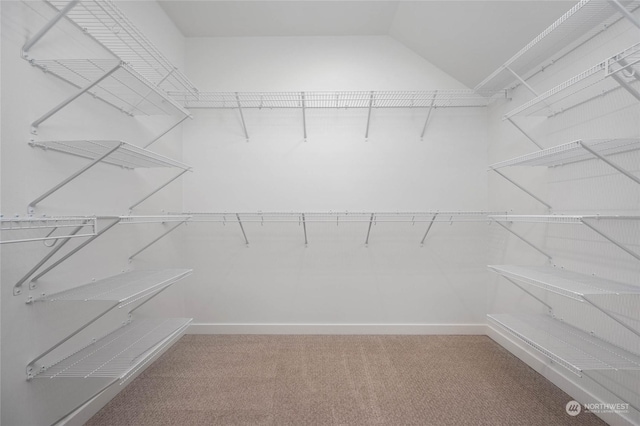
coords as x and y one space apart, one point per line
244 126
304 115
366 243
523 239
524 133
426 121
32 205
44 30
304 227
610 163
158 189
522 188
54 110
625 12
626 86
166 131
424 237
528 292
610 239
246 241
366 133
156 240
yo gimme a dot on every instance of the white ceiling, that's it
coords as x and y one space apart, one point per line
468 39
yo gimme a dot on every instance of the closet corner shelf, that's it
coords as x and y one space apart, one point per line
124 288
30 224
120 353
570 347
578 24
565 283
622 68
572 152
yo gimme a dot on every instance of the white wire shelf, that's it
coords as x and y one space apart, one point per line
125 155
557 218
565 283
361 99
124 288
124 88
594 82
21 225
578 24
133 220
406 217
110 27
572 152
120 352
566 345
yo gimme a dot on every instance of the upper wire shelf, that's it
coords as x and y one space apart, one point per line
407 217
589 84
578 24
119 85
52 224
572 152
110 27
124 289
568 346
124 220
120 352
346 100
565 283
125 155
557 218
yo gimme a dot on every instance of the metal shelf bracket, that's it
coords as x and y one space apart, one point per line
524 240
167 232
523 189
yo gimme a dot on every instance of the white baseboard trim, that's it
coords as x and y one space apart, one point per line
443 329
555 374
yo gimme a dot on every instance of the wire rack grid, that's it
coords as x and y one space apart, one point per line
119 352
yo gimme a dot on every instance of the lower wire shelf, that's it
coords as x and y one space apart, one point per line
121 352
570 347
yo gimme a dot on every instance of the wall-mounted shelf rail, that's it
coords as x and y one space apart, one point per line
622 68
578 351
122 290
337 100
576 286
119 353
305 218
116 153
15 226
589 221
580 23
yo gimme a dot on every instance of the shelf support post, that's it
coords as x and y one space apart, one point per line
72 252
155 240
424 237
626 86
17 288
523 239
304 226
32 205
246 241
44 30
610 163
522 188
158 189
39 121
424 128
625 12
304 116
366 133
366 243
244 126
608 238
166 131
528 292
524 133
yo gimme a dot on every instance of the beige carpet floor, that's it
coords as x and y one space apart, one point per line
339 380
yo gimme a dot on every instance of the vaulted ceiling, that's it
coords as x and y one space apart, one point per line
468 39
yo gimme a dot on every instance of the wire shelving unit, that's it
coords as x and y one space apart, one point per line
28 225
622 68
583 21
119 353
117 153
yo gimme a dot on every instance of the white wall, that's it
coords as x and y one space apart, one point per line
335 280
27 93
589 187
